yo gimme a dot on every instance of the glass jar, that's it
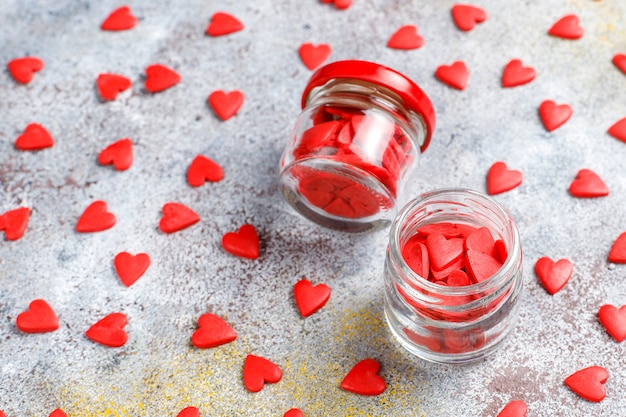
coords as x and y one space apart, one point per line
355 145
452 324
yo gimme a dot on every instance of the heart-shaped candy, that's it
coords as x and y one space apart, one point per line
110 85
257 371
481 240
14 222
294 412
516 408
119 19
203 169
620 62
95 218
443 252
406 37
119 153
589 383
109 331
363 379
177 216
212 331
342 4
588 184
39 318
22 69
35 137
415 254
567 27
310 298
458 278
314 55
501 179
223 24
466 16
554 116
481 266
159 78
58 413
226 105
131 267
515 74
189 412
614 321
553 275
243 243
618 250
618 130
455 75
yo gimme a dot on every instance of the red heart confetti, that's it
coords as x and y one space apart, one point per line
415 254
406 37
131 267
109 331
516 408
58 413
614 321
466 16
588 184
294 412
617 254
455 75
119 19
176 217
159 78
481 240
243 243
35 137
212 331
189 412
618 130
223 24
110 85
310 298
589 383
553 275
203 169
501 179
14 222
443 252
95 218
119 153
22 69
481 266
257 371
363 379
620 62
339 4
39 318
314 55
554 116
516 74
567 27
226 105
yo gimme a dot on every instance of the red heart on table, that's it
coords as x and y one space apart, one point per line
119 19
257 371
567 27
620 62
363 379
455 75
189 412
109 331
554 116
294 412
441 251
159 78
516 408
406 37
588 383
95 218
342 4
515 74
314 55
177 216
243 243
203 169
35 137
39 318
226 105
553 275
119 153
58 413
22 69
588 184
614 321
466 16
618 130
223 24
310 298
110 85
501 179
481 266
212 331
14 222
618 250
131 267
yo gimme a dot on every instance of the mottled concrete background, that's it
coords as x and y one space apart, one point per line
158 372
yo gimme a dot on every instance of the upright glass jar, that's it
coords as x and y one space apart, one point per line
355 145
452 324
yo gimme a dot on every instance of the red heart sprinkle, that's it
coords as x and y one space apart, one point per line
130 268
95 218
110 85
109 331
455 75
35 137
481 240
223 24
119 153
516 408
481 266
618 130
189 412
567 27
176 217
14 222
501 179
515 74
588 184
458 278
466 16
119 19
159 78
363 379
554 116
203 169
617 254
415 254
614 321
226 105
58 413
620 62
406 37
243 243
588 383
342 4
294 412
443 252
257 371
314 55
553 275
212 331
39 318
310 298
22 69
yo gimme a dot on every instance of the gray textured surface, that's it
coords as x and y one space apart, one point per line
158 372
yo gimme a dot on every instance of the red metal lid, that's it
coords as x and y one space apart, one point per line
412 95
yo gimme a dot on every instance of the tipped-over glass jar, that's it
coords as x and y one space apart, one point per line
453 276
355 145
